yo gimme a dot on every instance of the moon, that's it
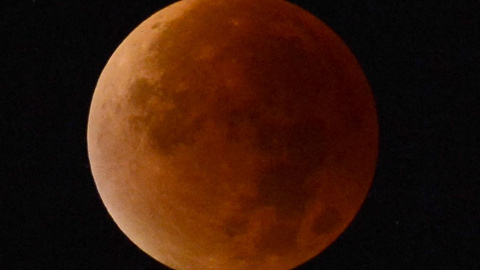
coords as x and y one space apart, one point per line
232 134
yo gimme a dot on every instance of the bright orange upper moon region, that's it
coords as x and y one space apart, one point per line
233 134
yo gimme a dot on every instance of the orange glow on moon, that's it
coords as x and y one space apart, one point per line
232 134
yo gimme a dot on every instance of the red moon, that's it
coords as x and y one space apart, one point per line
232 134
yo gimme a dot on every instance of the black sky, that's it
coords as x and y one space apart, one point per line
421 58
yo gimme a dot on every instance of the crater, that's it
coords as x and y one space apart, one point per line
158 25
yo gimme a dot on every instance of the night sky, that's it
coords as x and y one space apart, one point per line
422 61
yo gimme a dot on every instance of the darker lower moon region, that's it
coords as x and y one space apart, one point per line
232 134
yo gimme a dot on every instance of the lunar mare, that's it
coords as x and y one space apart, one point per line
232 134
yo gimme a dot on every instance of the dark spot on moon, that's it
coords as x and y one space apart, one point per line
170 129
273 242
173 131
235 226
282 185
327 221
141 90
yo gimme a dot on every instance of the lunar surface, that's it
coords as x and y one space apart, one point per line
232 134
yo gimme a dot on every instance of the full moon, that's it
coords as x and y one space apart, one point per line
232 134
